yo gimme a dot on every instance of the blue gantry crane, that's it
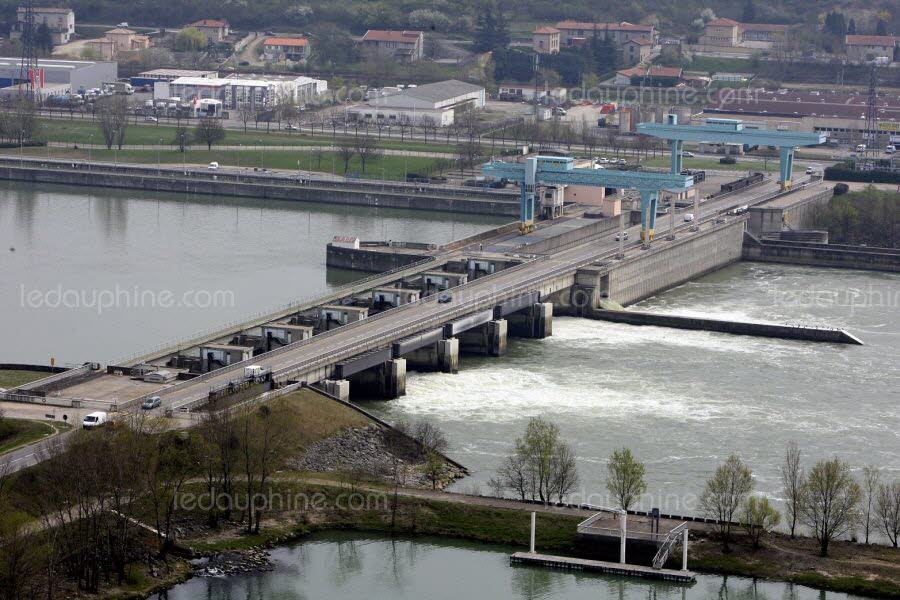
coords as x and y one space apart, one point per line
731 131
556 170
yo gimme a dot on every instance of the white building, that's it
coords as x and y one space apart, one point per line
60 22
237 90
74 76
437 102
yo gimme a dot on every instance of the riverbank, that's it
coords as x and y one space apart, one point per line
852 568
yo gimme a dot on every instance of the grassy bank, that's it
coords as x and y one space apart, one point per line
15 433
389 167
85 131
10 378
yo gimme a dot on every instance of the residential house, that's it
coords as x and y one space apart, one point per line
728 33
215 30
405 46
576 33
863 48
60 22
286 49
636 51
102 49
721 32
545 40
127 40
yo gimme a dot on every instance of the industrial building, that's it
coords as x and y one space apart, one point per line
841 116
151 77
237 90
60 76
437 102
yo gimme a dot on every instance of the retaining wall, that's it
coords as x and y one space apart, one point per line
370 260
821 255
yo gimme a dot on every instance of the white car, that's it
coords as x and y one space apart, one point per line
151 119
689 218
622 236
213 166
890 149
603 160
687 154
622 161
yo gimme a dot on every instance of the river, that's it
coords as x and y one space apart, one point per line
684 400
96 274
354 565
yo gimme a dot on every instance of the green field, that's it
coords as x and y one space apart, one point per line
395 167
14 377
78 131
15 433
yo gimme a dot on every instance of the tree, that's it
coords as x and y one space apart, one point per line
367 148
346 149
209 130
792 479
541 467
435 468
887 508
725 493
625 478
871 482
881 28
851 27
112 113
491 31
167 471
190 39
831 501
246 113
759 517
182 138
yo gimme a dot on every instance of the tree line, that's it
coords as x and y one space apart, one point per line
870 216
826 498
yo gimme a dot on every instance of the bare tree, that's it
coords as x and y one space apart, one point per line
871 482
625 478
209 130
168 469
367 149
792 479
246 113
725 494
112 114
887 508
831 501
346 149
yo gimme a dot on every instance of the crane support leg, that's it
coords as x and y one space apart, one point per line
526 208
677 147
648 214
786 165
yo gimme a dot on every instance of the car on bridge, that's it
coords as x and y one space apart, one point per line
445 298
621 236
151 403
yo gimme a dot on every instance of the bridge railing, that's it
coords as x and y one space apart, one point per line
325 335
262 317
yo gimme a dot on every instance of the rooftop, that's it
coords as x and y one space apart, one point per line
442 90
623 26
723 22
47 9
175 73
546 29
121 31
209 23
640 41
286 41
870 40
387 35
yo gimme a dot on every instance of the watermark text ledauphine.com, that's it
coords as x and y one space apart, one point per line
101 300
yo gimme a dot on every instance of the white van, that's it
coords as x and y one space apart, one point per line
253 371
861 148
213 166
94 420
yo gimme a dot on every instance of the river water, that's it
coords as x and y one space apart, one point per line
97 274
684 400
351 565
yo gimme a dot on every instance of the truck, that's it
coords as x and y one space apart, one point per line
253 372
118 87
95 419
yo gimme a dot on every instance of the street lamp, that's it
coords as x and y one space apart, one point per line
158 166
262 155
90 145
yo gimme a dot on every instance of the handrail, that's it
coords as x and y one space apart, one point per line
669 542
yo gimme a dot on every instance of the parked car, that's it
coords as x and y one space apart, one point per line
603 160
890 149
94 420
445 298
291 127
151 403
861 148
151 119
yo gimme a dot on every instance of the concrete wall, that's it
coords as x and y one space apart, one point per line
773 217
370 260
224 185
671 264
821 255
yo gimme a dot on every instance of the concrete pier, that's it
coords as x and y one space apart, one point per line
386 380
488 339
534 322
442 356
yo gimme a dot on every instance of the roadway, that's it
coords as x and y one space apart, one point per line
382 329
